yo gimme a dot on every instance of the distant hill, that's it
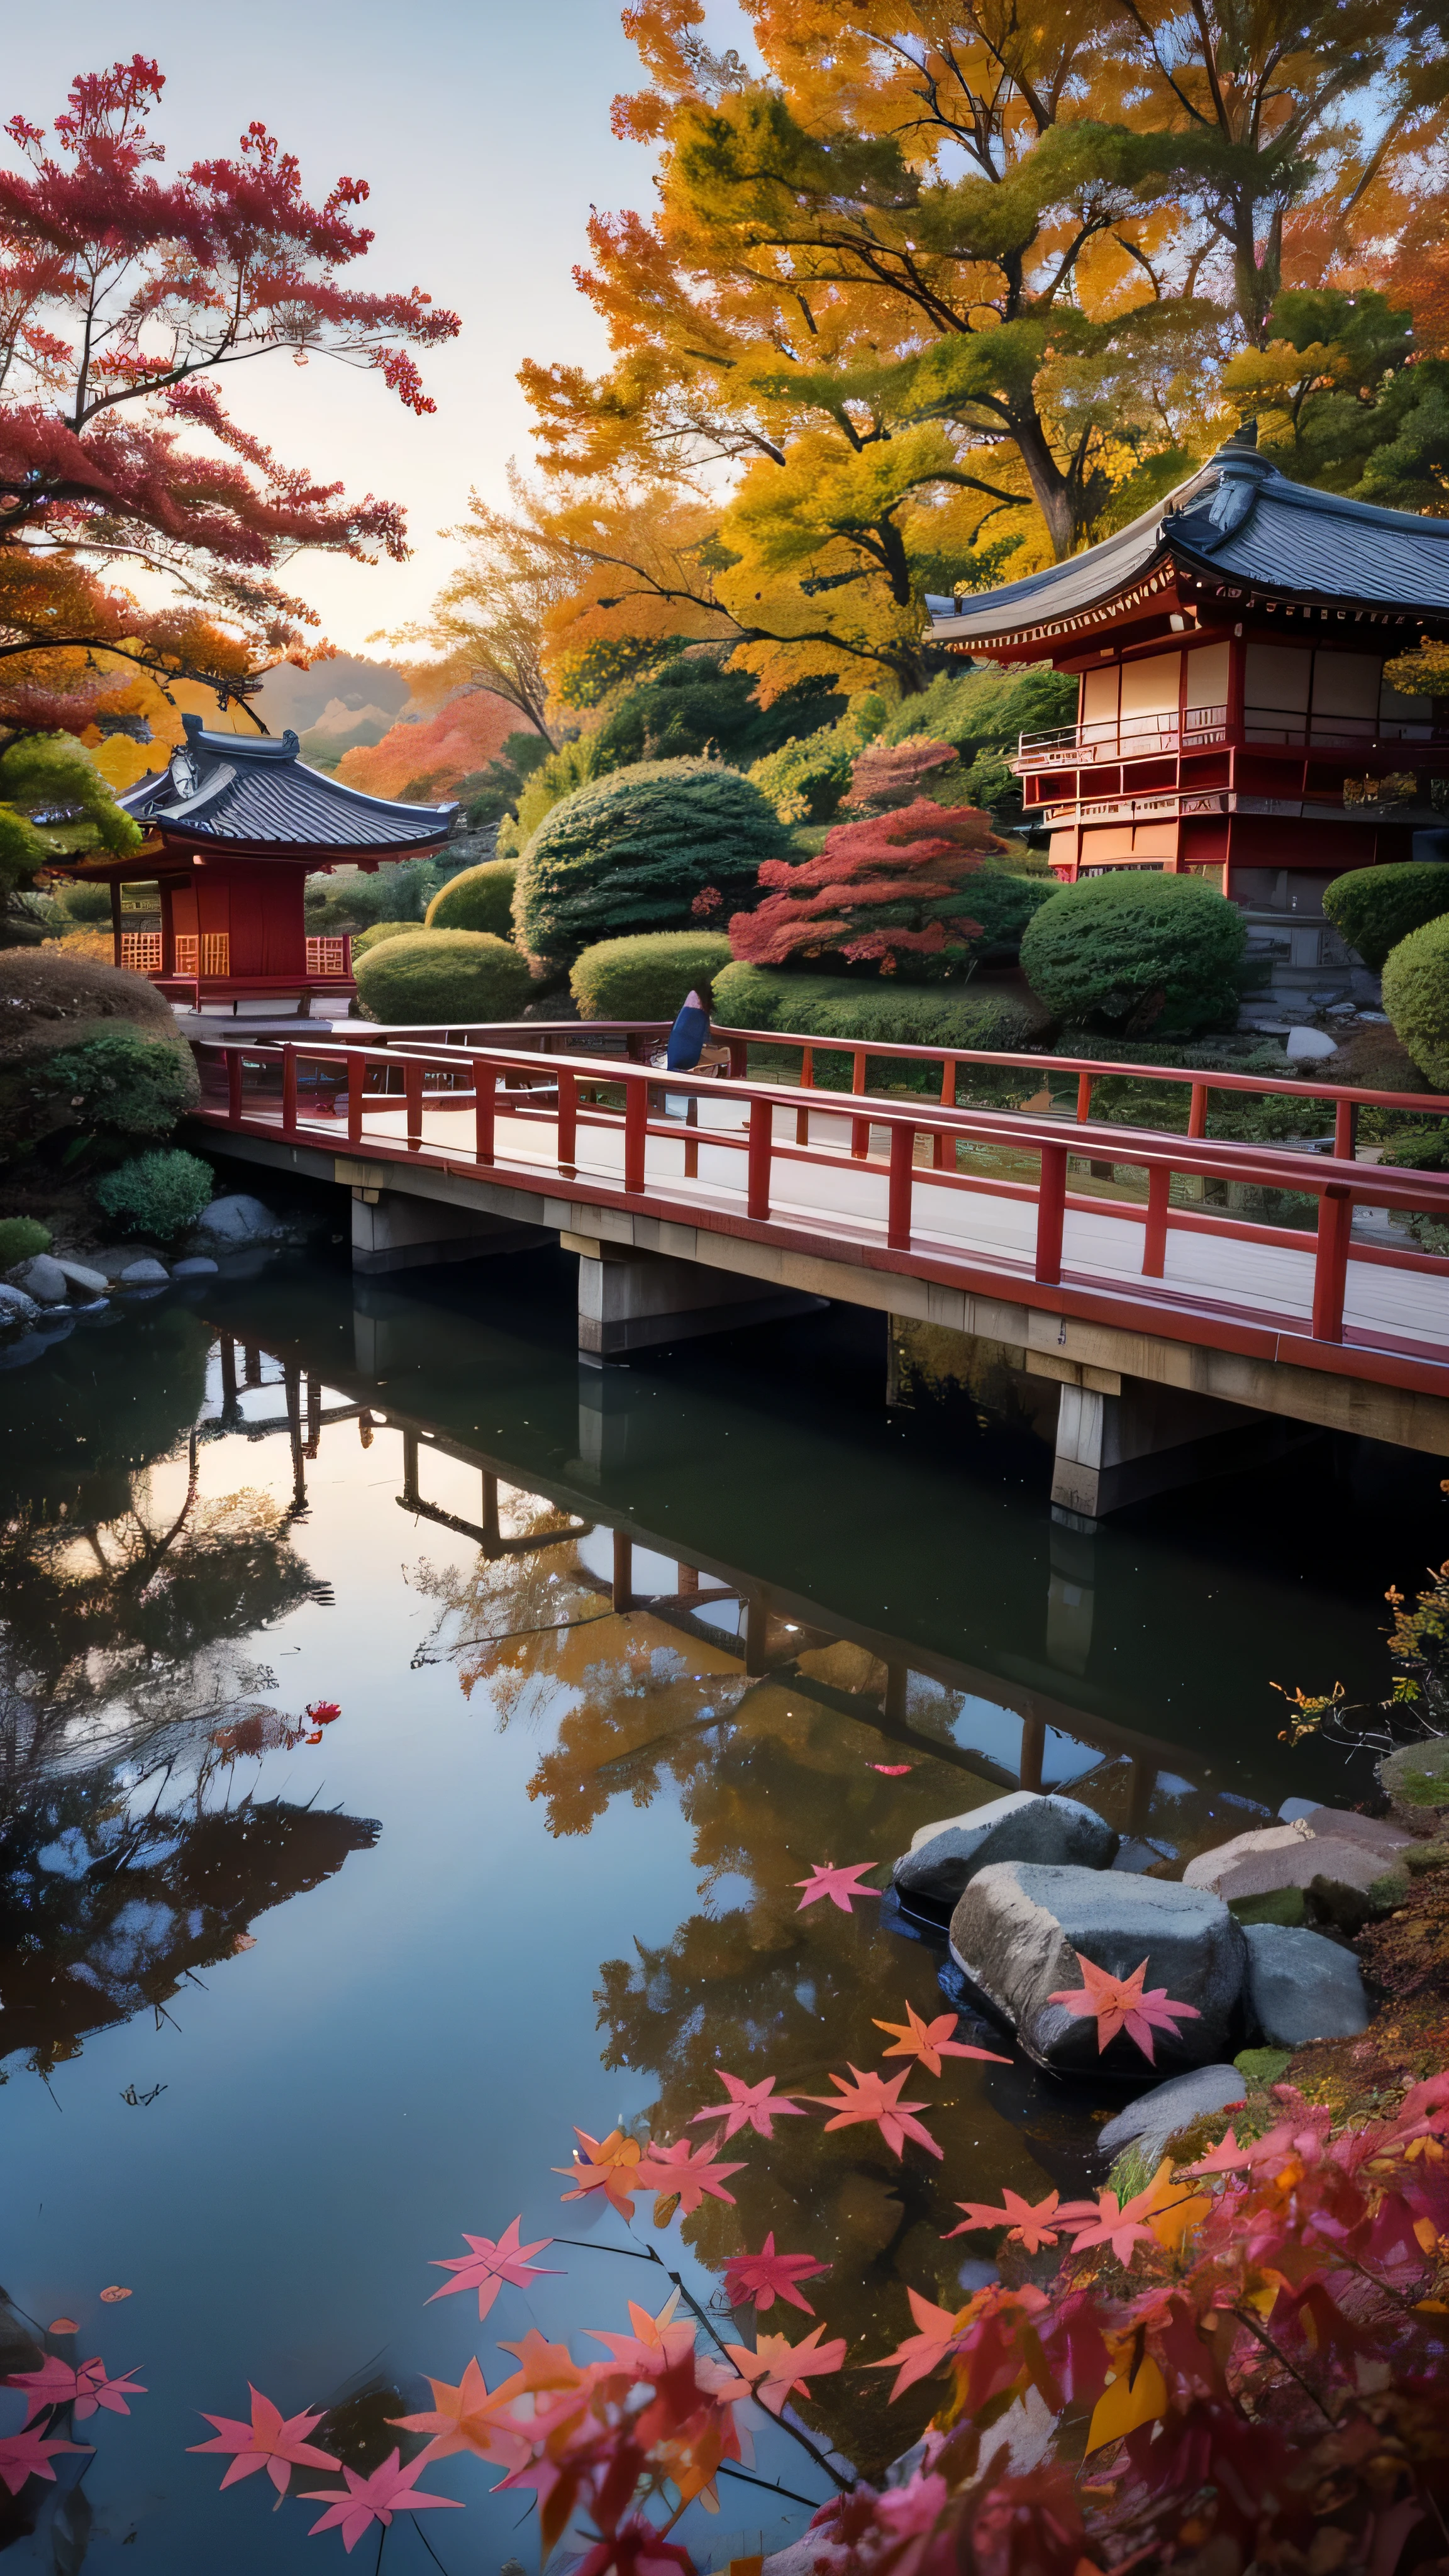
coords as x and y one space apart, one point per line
348 685
423 761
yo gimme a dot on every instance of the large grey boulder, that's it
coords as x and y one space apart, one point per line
1302 1987
15 1306
43 1279
236 1219
1024 1825
1293 1855
1019 1928
1155 2117
79 1274
196 1268
145 1274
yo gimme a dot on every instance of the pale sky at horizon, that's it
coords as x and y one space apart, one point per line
484 132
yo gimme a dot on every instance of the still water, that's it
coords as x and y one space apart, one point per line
289 2002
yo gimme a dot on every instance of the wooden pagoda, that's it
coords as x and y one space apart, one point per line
234 827
1233 718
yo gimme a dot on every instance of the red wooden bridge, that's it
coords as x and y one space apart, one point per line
1241 1279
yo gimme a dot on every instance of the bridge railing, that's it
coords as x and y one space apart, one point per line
382 1097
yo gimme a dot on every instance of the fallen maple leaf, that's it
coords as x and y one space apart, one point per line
323 1711
244 1941
84 2386
62 2325
115 2292
938 2333
761 2278
890 1771
1120 2004
930 2041
1031 2227
608 2165
776 2366
541 2365
656 2343
271 2441
876 2097
1122 2225
1226 2157
489 2265
838 1884
363 2501
749 2106
28 2455
687 2170
462 2419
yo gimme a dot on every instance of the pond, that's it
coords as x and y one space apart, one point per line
290 2002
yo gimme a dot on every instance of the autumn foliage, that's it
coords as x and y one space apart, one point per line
889 891
429 761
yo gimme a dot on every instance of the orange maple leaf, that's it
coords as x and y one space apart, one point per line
876 2098
1031 2227
937 2336
609 2165
461 2419
1120 2004
776 2366
930 2041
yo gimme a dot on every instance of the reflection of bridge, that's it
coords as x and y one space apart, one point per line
775 1626
1165 1282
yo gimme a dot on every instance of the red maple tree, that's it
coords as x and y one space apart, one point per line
889 891
123 294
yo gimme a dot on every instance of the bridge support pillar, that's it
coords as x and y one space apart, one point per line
1115 1449
392 1230
633 1301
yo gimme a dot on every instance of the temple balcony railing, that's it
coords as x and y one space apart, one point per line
1081 746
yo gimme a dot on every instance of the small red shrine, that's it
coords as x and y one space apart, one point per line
1233 718
234 827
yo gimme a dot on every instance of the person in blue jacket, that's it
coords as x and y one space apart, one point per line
690 1034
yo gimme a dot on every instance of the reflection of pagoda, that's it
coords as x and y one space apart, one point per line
1234 720
234 827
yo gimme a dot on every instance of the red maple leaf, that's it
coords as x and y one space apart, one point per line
28 2455
876 2098
1226 2157
84 2386
1118 2224
271 2441
1031 2227
362 2501
489 2265
687 2170
776 2366
749 2105
930 2041
323 1711
761 2278
838 1884
938 2335
1120 2004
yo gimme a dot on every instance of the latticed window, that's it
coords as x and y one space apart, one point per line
188 952
141 951
215 953
326 956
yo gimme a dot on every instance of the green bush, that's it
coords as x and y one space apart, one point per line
806 779
832 1006
83 902
639 851
364 941
397 891
1004 902
435 975
21 1238
117 1083
160 1194
1374 908
646 978
986 709
1137 950
480 899
1416 997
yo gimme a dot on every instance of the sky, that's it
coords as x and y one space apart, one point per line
483 128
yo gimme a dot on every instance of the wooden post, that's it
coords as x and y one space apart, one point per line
859 1127
410 1469
739 1059
314 1415
1051 1210
1330 1269
623 1571
691 1142
492 1535
413 1095
293 1381
485 1104
1084 1098
251 1364
568 1122
807 1083
757 1614
943 1149
1345 1131
1197 1113
289 1091
898 1202
761 1145
356 1085
1033 1746
228 1375
1154 1241
687 1578
636 1132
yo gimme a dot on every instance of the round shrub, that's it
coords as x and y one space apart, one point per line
1374 908
436 975
21 1238
54 1004
1137 951
646 978
1416 997
364 941
480 899
159 1194
666 845
883 1011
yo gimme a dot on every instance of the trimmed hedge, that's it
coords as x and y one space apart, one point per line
1416 997
88 1047
1004 903
636 851
364 941
646 978
1135 951
834 1006
21 1238
430 975
480 898
1374 908
160 1194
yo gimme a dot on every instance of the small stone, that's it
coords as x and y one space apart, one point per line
1306 1046
79 1275
43 1279
199 1268
1286 1856
15 1306
1024 1825
1158 2115
1301 1987
1342 1011
145 1274
237 1219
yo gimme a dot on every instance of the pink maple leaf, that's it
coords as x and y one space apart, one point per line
776 2366
489 2265
28 2455
271 2441
609 2165
1118 2224
363 2501
938 2335
890 1771
1031 2227
874 2097
85 2387
761 2278
1120 2004
930 2041
656 2343
1226 2157
840 1885
749 2105
691 2170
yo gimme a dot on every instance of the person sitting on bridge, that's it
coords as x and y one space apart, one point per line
690 1034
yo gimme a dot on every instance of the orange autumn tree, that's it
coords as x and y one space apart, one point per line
889 892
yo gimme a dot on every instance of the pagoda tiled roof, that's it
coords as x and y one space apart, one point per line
1240 523
250 792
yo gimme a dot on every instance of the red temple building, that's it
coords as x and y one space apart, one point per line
234 827
1233 717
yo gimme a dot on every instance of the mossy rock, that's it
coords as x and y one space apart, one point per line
1387 1894
1418 1774
1280 1905
1262 2068
1419 1859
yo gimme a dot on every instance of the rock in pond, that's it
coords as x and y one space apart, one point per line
1302 1987
79 1274
1019 1928
145 1274
1351 1850
237 1219
1155 2117
1025 1825
16 1307
43 1279
198 1268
